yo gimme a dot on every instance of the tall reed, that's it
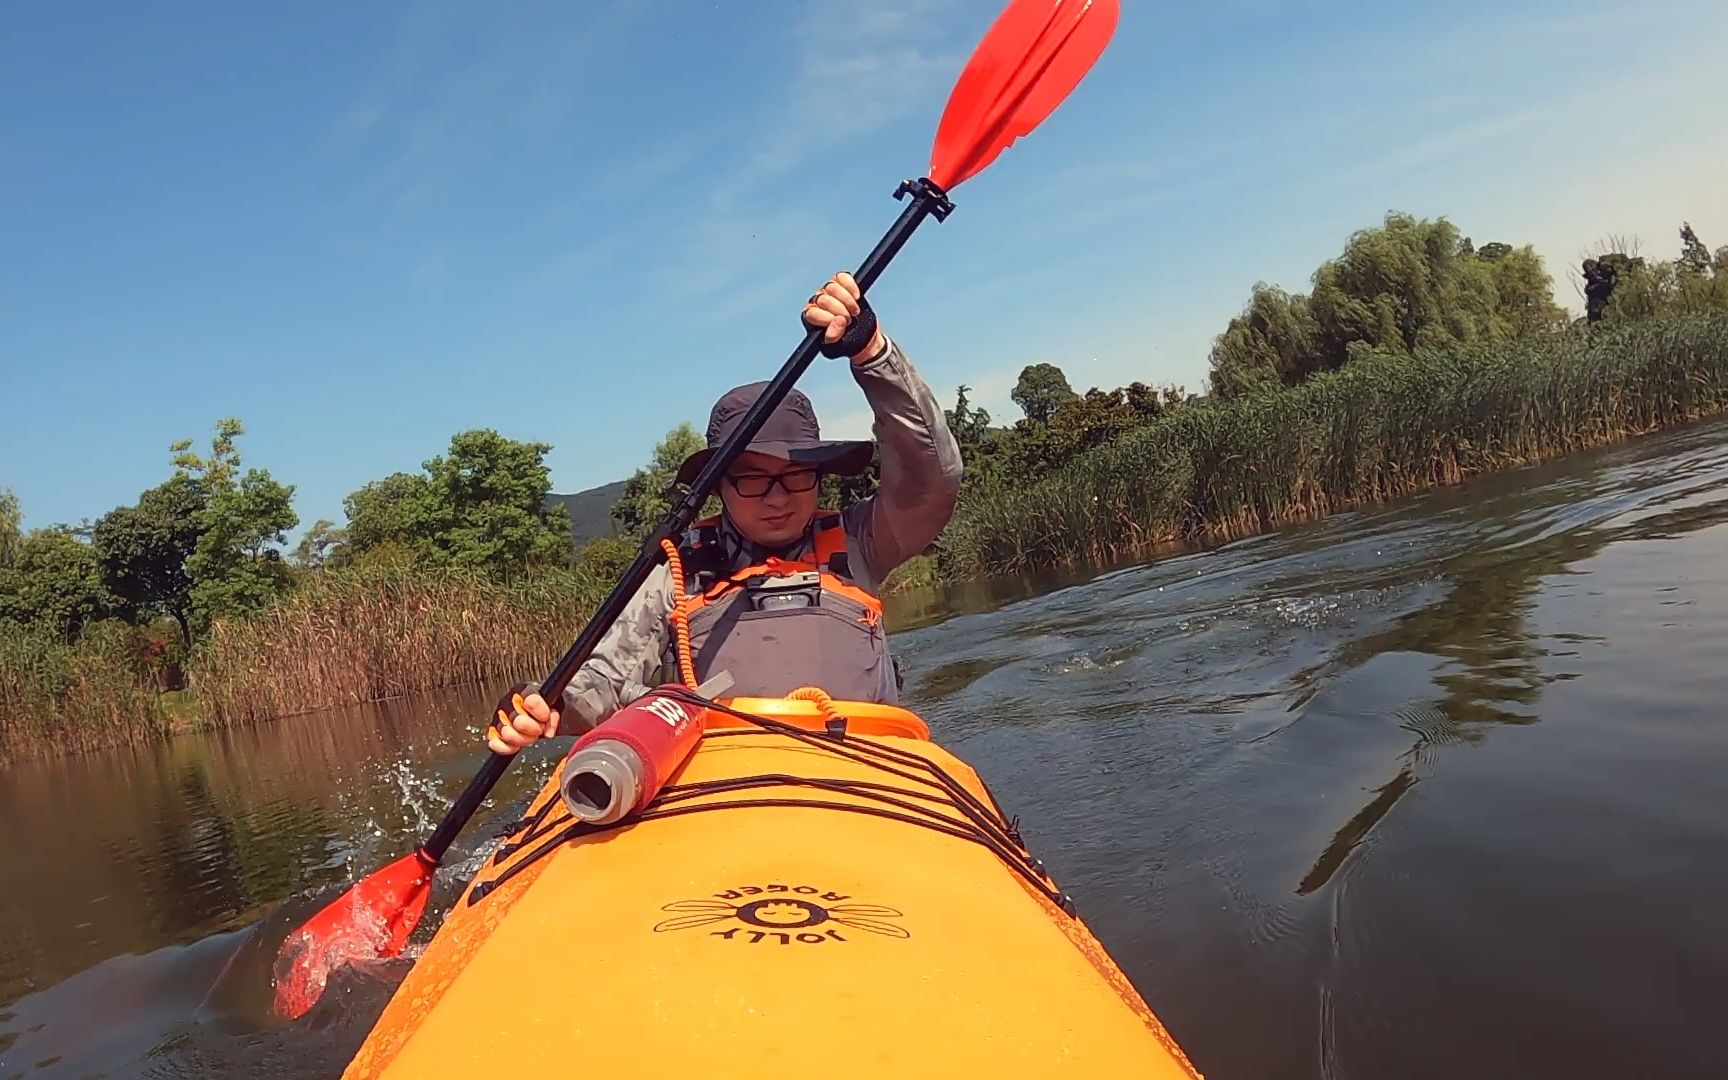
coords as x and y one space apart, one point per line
57 698
381 632
1382 426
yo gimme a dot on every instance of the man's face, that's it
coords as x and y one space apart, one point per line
775 517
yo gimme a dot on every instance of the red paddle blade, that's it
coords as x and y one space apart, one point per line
1034 55
371 921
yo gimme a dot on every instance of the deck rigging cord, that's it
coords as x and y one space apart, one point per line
939 802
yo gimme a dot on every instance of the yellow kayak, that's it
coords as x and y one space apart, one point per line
809 896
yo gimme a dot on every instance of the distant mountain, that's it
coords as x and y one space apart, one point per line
590 511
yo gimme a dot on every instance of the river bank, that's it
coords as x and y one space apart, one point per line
1381 428
343 638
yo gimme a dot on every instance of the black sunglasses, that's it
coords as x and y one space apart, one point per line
755 485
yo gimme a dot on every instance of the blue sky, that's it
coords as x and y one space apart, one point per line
364 227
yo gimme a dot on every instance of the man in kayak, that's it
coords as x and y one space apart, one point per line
780 594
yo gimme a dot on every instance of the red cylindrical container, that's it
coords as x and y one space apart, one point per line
617 768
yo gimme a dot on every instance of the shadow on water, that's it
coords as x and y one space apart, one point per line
1346 839
1494 672
1429 789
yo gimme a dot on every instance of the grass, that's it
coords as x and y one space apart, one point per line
180 710
1381 427
918 572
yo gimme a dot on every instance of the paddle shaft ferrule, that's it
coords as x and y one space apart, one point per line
928 200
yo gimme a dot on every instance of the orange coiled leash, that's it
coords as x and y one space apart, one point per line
681 616
822 700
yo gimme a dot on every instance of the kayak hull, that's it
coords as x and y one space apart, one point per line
795 912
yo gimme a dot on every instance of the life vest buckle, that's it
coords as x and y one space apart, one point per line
799 589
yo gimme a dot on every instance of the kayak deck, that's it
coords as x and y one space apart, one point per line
793 903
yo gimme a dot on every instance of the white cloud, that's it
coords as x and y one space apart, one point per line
859 69
447 80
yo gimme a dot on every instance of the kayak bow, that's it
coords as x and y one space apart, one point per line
808 896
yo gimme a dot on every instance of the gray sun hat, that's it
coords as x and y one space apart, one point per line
790 432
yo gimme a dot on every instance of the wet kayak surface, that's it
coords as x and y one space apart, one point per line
1426 790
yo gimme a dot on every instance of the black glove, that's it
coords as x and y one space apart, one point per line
858 333
509 705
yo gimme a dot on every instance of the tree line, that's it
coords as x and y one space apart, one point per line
1416 358
208 542
1413 283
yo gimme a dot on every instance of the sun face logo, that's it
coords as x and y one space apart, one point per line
784 915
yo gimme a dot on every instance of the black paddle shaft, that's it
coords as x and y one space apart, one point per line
928 200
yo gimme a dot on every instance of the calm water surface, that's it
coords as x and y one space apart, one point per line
1434 790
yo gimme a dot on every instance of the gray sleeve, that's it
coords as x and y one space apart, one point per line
626 662
921 468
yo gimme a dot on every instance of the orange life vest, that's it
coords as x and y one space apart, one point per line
783 623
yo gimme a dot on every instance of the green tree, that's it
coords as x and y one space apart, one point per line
1524 298
1142 401
646 498
969 423
391 553
395 510
1630 288
979 443
1694 256
316 544
1603 276
1031 449
1652 289
481 504
54 583
487 505
842 491
11 518
1401 287
606 557
1097 417
236 566
1274 342
144 550
1405 285
1040 391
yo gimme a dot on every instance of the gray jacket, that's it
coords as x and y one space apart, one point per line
920 479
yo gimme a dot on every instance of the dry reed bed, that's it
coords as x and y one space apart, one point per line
369 635
57 698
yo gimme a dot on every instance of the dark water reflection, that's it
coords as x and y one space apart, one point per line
1432 790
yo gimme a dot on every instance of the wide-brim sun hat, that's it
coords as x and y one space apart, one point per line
790 432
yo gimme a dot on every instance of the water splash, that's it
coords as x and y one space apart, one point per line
420 794
1084 662
371 921
1308 612
306 961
